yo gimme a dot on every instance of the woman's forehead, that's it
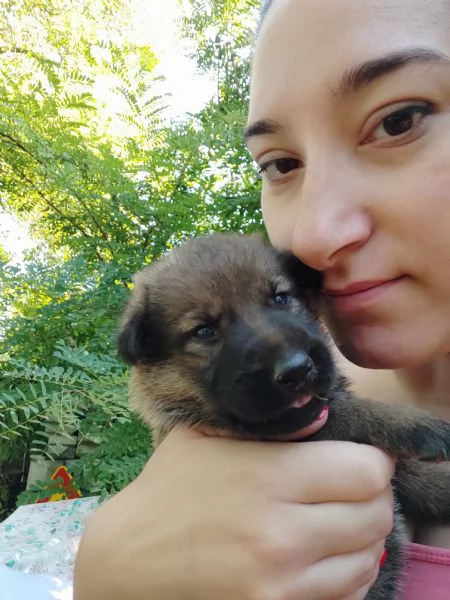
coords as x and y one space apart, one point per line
311 43
405 11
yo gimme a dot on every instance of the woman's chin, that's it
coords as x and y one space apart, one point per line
370 358
387 348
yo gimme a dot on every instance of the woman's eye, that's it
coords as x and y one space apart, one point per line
401 123
204 333
279 167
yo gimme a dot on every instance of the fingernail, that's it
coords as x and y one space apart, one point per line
383 558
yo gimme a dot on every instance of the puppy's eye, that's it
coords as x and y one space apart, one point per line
205 333
281 298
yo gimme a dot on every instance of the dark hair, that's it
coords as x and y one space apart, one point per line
265 5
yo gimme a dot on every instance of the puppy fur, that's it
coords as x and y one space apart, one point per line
223 334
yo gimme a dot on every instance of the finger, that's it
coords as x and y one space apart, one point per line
362 592
315 472
307 534
346 527
337 471
352 574
307 472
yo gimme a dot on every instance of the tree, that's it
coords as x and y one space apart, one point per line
104 195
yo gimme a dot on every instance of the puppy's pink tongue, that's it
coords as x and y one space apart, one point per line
315 426
302 400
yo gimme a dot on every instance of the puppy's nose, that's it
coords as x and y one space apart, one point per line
293 369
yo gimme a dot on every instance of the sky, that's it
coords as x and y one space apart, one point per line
155 23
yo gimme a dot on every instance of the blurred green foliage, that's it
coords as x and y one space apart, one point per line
102 196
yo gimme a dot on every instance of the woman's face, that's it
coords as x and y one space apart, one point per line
350 123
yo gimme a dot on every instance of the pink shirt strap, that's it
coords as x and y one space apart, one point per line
427 575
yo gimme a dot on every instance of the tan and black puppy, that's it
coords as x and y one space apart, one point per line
222 333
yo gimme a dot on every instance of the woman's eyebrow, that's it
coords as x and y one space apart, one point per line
359 77
261 127
362 75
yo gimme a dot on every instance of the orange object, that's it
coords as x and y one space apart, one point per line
65 490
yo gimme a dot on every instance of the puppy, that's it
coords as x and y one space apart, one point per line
223 333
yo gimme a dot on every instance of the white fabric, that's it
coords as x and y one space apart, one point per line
15 585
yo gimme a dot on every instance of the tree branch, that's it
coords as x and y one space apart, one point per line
20 146
58 211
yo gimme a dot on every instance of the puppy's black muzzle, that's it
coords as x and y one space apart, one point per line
273 373
294 369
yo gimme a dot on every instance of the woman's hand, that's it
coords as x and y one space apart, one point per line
219 518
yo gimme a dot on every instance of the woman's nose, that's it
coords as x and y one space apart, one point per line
332 217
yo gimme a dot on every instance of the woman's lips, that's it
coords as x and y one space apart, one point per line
360 294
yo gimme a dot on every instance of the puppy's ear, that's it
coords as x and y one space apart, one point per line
141 338
141 334
304 277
